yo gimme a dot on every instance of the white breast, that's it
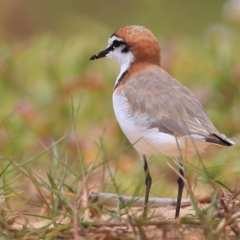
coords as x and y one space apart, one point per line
149 141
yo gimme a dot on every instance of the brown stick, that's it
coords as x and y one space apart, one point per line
114 199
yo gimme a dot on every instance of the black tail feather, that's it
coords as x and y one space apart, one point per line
220 140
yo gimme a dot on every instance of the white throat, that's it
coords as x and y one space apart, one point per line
124 66
124 59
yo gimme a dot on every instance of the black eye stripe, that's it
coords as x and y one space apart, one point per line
117 43
125 49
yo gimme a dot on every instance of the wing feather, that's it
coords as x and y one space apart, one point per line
169 106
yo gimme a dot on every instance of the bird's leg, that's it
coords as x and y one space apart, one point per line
180 190
148 183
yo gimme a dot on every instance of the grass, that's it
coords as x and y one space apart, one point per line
60 140
57 205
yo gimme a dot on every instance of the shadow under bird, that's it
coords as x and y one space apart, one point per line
157 114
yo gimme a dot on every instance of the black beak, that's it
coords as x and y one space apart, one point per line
100 54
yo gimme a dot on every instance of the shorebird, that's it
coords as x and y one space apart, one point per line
157 114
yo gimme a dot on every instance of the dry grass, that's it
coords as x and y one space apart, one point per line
58 207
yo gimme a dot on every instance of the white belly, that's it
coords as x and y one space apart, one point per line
149 141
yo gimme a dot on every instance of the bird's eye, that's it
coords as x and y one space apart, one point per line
116 43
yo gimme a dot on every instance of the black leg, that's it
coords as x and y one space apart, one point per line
180 190
148 183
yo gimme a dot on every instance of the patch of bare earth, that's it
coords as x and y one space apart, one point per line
108 222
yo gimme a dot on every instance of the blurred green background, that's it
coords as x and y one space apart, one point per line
46 78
